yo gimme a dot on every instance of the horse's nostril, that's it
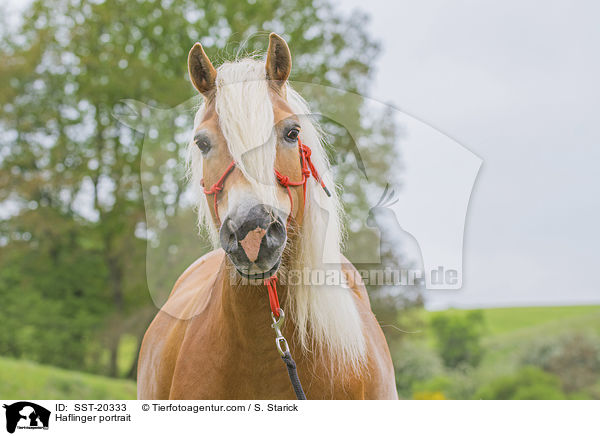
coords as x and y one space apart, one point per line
230 226
276 234
228 237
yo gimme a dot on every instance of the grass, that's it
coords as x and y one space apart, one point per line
517 321
503 321
21 379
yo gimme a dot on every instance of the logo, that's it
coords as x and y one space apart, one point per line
26 415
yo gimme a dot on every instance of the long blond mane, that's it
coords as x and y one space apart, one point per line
326 316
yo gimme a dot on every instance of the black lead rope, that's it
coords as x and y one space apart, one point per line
293 373
284 352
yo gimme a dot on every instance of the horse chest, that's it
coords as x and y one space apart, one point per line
213 364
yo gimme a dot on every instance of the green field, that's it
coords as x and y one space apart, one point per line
27 380
507 330
507 320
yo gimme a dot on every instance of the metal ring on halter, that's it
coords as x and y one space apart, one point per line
279 339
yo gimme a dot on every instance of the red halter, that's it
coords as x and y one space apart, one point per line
308 169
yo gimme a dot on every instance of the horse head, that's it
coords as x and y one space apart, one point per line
248 156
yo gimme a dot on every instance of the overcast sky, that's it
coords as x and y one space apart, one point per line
516 83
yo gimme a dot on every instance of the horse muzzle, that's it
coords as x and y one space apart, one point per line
254 239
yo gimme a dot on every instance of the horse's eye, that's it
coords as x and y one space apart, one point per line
203 143
292 134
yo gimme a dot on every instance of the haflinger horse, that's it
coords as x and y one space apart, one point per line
260 159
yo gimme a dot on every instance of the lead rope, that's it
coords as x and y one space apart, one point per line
280 342
277 314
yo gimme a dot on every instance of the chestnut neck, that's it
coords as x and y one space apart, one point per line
246 311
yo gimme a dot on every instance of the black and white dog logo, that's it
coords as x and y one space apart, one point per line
26 415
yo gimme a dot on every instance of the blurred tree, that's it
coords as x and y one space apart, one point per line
414 362
573 356
67 166
53 290
453 385
529 383
458 338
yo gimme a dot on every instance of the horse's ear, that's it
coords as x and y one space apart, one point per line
279 60
202 72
